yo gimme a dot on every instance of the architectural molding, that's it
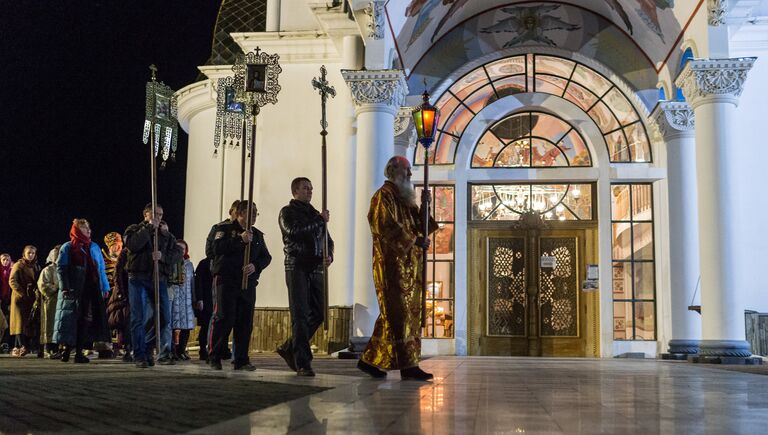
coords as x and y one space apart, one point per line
404 120
716 11
720 78
377 87
306 46
686 347
335 23
193 99
672 118
725 348
375 13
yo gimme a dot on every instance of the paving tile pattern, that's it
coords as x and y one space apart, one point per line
51 396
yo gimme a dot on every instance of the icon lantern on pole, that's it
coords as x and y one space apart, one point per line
233 120
255 85
160 127
425 119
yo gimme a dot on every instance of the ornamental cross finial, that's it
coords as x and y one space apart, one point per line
153 68
325 89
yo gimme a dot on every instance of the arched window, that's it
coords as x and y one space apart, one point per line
687 55
662 94
606 104
531 139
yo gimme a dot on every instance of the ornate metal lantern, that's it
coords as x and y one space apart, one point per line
425 118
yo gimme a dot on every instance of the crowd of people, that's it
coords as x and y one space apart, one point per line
91 299
79 300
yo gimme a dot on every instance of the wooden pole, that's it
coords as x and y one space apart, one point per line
325 90
249 214
155 246
326 309
425 204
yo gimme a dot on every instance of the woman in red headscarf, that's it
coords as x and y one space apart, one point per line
81 315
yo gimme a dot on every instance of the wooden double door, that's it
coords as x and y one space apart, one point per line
525 293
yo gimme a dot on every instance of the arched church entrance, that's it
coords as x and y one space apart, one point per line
526 143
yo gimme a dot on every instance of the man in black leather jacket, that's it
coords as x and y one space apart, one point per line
302 227
233 307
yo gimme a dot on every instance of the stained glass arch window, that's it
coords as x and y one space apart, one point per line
619 122
531 139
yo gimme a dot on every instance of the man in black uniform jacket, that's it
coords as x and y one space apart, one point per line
233 307
204 288
302 227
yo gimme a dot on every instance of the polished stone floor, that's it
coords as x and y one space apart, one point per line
522 395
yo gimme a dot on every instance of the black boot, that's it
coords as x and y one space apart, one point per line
415 374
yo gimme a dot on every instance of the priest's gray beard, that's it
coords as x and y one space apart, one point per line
405 190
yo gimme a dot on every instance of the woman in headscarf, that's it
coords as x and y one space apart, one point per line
81 317
182 316
5 295
48 285
23 281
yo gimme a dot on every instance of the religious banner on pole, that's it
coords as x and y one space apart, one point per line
233 120
160 118
160 127
256 85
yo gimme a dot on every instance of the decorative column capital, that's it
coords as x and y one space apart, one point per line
385 89
375 13
673 119
716 10
404 120
714 79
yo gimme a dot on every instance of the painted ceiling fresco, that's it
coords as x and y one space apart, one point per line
632 37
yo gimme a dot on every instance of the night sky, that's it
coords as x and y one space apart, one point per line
72 112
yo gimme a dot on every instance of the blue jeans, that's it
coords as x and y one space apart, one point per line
141 296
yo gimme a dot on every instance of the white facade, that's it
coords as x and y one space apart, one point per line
362 57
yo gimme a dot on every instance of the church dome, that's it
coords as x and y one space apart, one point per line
235 16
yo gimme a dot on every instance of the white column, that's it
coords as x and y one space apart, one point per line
344 219
197 116
377 94
712 87
273 15
675 121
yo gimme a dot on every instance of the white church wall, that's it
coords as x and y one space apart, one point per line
288 146
297 15
749 149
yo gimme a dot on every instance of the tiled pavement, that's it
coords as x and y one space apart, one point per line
497 395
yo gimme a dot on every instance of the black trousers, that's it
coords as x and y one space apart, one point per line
305 296
232 312
204 321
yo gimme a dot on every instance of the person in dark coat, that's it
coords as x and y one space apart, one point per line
118 309
23 282
5 296
303 228
81 313
204 307
139 240
233 309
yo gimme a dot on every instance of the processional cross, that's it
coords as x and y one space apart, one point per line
325 90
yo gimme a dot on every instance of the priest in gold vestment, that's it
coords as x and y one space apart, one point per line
398 242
